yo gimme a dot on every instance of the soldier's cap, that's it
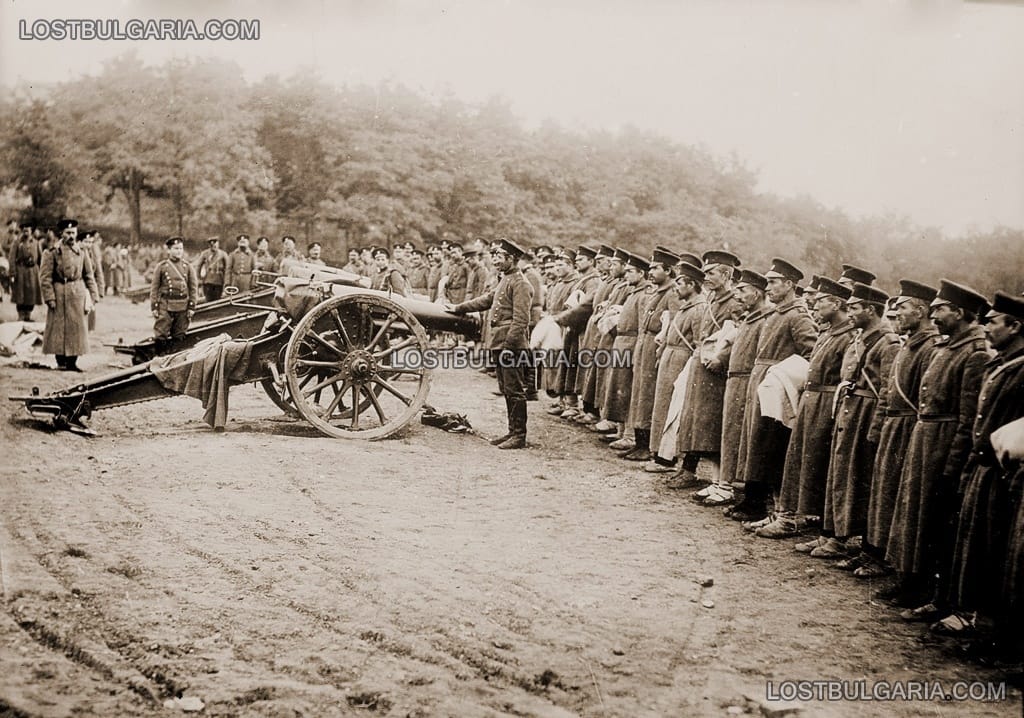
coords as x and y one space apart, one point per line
287 236
417 252
856 274
813 285
66 224
750 278
866 294
781 269
798 290
736 274
960 295
664 257
445 244
543 249
687 258
715 257
637 262
315 244
690 271
566 254
471 248
212 240
586 251
833 288
909 289
381 250
1008 304
621 255
171 241
409 246
605 250
242 236
509 247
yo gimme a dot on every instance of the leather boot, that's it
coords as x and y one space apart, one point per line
517 425
508 415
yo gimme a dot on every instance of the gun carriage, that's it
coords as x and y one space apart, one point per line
346 359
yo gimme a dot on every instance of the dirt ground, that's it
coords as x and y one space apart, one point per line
270 571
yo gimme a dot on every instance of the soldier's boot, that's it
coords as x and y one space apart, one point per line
159 346
517 425
62 361
71 363
508 416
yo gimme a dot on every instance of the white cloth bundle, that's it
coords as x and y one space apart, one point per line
547 335
779 392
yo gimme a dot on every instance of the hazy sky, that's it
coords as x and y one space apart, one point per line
915 107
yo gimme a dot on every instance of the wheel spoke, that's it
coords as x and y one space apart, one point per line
326 344
341 328
380 332
333 406
402 397
407 342
320 385
399 370
355 405
376 405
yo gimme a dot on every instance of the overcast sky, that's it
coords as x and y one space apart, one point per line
915 107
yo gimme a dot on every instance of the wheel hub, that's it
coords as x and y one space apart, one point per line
360 365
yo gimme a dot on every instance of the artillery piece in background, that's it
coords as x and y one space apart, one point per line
344 358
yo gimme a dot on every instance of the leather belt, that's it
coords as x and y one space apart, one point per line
900 412
627 334
866 393
938 417
60 280
766 362
733 374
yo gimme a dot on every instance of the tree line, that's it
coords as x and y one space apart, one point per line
189 147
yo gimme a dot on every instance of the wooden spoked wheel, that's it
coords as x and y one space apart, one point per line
357 351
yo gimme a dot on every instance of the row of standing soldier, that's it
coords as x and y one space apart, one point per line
836 410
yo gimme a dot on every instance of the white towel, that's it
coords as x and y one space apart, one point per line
779 392
667 442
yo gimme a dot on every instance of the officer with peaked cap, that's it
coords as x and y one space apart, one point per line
172 297
509 304
920 545
68 284
212 268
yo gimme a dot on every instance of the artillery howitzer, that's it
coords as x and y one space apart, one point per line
341 357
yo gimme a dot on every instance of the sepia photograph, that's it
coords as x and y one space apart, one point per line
483 358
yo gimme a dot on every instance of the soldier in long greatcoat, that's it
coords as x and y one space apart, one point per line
579 307
240 264
982 538
700 425
922 533
679 345
26 290
750 291
788 331
645 356
866 367
899 405
598 385
554 304
68 284
810 445
585 374
619 388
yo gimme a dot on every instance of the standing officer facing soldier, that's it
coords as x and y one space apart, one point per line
509 303
69 288
172 296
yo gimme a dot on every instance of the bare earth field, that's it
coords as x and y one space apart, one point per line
269 571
